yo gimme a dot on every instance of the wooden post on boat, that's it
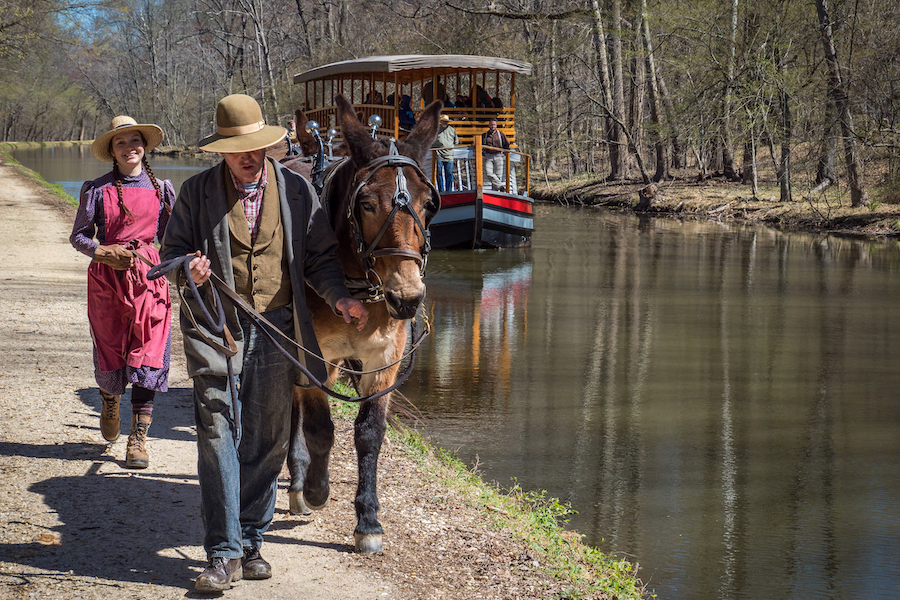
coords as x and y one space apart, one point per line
508 166
479 192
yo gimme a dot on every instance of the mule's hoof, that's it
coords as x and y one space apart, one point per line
368 543
317 501
298 506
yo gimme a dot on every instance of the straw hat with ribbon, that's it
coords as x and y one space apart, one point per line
240 127
153 135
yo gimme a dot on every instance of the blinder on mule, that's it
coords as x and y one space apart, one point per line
401 200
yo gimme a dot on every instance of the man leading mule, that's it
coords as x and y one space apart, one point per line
260 228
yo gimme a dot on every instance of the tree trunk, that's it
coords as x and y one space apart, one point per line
678 150
655 110
619 142
784 170
636 116
599 37
728 169
827 146
858 196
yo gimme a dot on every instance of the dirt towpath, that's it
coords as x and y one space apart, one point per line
75 524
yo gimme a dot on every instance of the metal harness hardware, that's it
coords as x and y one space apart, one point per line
401 200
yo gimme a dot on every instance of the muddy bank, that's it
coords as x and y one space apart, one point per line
723 200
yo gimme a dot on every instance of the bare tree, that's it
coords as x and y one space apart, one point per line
839 96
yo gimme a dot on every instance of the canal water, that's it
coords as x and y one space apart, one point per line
719 404
71 166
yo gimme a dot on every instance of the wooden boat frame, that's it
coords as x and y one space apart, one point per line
471 216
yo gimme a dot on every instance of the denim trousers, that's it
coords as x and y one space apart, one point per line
238 479
445 175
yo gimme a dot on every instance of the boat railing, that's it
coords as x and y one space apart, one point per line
469 123
469 175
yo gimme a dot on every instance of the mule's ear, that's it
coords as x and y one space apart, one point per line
422 136
300 119
357 139
308 144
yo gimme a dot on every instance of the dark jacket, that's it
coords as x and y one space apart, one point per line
199 221
488 142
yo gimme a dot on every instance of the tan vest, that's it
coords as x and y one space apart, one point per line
261 274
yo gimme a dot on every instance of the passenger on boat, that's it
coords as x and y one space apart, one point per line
446 140
406 115
428 95
120 216
482 98
493 142
293 148
377 99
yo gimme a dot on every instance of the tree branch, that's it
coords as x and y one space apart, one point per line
522 16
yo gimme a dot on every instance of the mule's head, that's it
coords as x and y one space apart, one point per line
391 224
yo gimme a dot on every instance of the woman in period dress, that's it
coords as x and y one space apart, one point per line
119 217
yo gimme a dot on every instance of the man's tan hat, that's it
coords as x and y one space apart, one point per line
445 118
240 127
153 135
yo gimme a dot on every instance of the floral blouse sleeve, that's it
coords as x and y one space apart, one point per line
86 219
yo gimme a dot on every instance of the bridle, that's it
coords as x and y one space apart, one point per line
370 288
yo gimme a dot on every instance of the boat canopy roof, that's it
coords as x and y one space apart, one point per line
415 62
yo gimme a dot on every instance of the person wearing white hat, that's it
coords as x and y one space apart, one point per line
259 227
119 217
446 140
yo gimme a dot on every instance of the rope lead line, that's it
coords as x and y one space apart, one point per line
230 348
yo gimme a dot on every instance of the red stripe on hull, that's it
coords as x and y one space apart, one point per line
508 203
455 199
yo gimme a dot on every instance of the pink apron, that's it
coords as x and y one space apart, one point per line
129 316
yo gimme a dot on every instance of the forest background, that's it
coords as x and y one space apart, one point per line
804 90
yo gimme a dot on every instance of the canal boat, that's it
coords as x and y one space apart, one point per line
384 89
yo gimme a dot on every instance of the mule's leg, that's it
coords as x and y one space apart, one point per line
298 456
369 428
318 429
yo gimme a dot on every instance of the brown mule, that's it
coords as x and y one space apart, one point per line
369 212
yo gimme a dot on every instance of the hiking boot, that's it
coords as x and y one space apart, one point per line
136 456
218 575
254 565
109 417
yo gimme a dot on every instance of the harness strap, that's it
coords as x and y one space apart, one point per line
217 284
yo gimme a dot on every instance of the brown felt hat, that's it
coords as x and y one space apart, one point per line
153 135
240 127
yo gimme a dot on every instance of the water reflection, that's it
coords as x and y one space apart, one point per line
717 403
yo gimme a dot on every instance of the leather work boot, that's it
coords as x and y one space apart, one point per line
109 417
136 456
218 574
254 565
